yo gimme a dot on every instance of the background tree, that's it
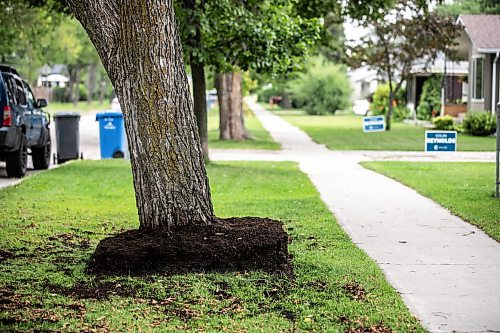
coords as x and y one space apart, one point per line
260 36
405 33
72 47
190 14
49 35
23 44
232 36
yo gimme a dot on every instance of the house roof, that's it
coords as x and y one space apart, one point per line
363 73
55 69
483 31
438 66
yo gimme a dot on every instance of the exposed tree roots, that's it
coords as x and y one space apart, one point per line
236 244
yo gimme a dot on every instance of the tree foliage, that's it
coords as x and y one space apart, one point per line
25 34
262 36
406 33
380 101
40 32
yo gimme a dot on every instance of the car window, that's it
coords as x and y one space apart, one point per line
11 88
29 96
20 97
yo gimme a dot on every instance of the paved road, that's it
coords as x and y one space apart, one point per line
447 271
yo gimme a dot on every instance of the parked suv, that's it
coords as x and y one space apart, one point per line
24 126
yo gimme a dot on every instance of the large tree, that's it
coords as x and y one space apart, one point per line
139 45
403 34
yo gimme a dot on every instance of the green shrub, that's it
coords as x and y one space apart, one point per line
445 123
400 113
430 99
60 94
380 100
322 89
380 103
479 124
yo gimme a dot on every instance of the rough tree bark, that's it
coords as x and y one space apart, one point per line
229 94
139 45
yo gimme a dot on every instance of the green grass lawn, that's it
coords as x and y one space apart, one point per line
82 107
261 139
466 189
52 222
344 132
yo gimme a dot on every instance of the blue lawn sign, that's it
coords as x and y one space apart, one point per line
440 141
374 124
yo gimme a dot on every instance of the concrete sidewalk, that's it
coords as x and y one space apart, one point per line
447 271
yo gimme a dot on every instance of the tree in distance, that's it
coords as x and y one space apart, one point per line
403 34
230 36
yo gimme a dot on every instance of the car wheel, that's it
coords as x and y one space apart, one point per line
41 156
17 161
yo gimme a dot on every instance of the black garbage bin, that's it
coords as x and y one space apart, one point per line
67 136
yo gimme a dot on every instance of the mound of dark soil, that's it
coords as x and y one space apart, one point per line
236 244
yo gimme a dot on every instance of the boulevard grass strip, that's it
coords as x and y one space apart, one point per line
81 107
52 222
345 132
260 137
465 188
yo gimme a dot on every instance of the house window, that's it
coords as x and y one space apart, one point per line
478 82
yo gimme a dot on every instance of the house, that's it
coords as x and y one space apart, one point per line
479 44
364 82
53 76
454 89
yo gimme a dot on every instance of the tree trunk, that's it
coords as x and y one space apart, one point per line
91 81
138 42
229 93
200 104
102 91
75 97
71 83
389 110
286 102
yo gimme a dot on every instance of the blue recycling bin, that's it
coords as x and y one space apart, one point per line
113 141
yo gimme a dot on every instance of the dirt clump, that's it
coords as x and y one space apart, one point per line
355 290
5 255
235 244
378 328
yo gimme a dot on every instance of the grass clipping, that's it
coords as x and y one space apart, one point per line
235 244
